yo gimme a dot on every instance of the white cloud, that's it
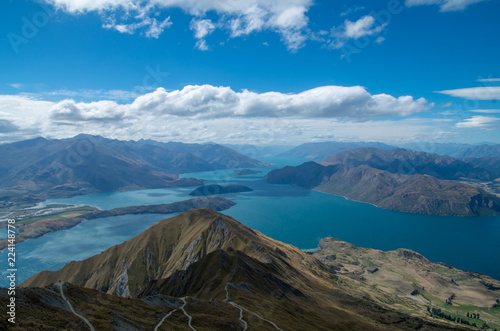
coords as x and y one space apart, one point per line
362 27
203 113
24 107
70 111
445 5
480 122
475 93
7 123
365 26
239 17
152 27
447 104
22 117
208 101
202 28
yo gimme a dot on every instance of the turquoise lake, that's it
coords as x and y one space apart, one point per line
287 213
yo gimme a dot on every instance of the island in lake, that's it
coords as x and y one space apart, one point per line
219 189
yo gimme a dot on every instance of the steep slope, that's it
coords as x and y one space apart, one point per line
417 193
36 169
409 162
206 258
322 150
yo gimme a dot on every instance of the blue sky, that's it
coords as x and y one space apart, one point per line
261 72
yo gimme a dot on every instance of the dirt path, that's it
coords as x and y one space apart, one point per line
190 318
234 304
187 315
60 284
164 318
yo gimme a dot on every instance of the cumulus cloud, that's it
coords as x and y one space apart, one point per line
205 112
444 5
24 108
480 122
239 17
475 93
103 111
207 101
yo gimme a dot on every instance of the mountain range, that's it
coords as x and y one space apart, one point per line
37 169
407 162
318 151
398 179
205 271
322 150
